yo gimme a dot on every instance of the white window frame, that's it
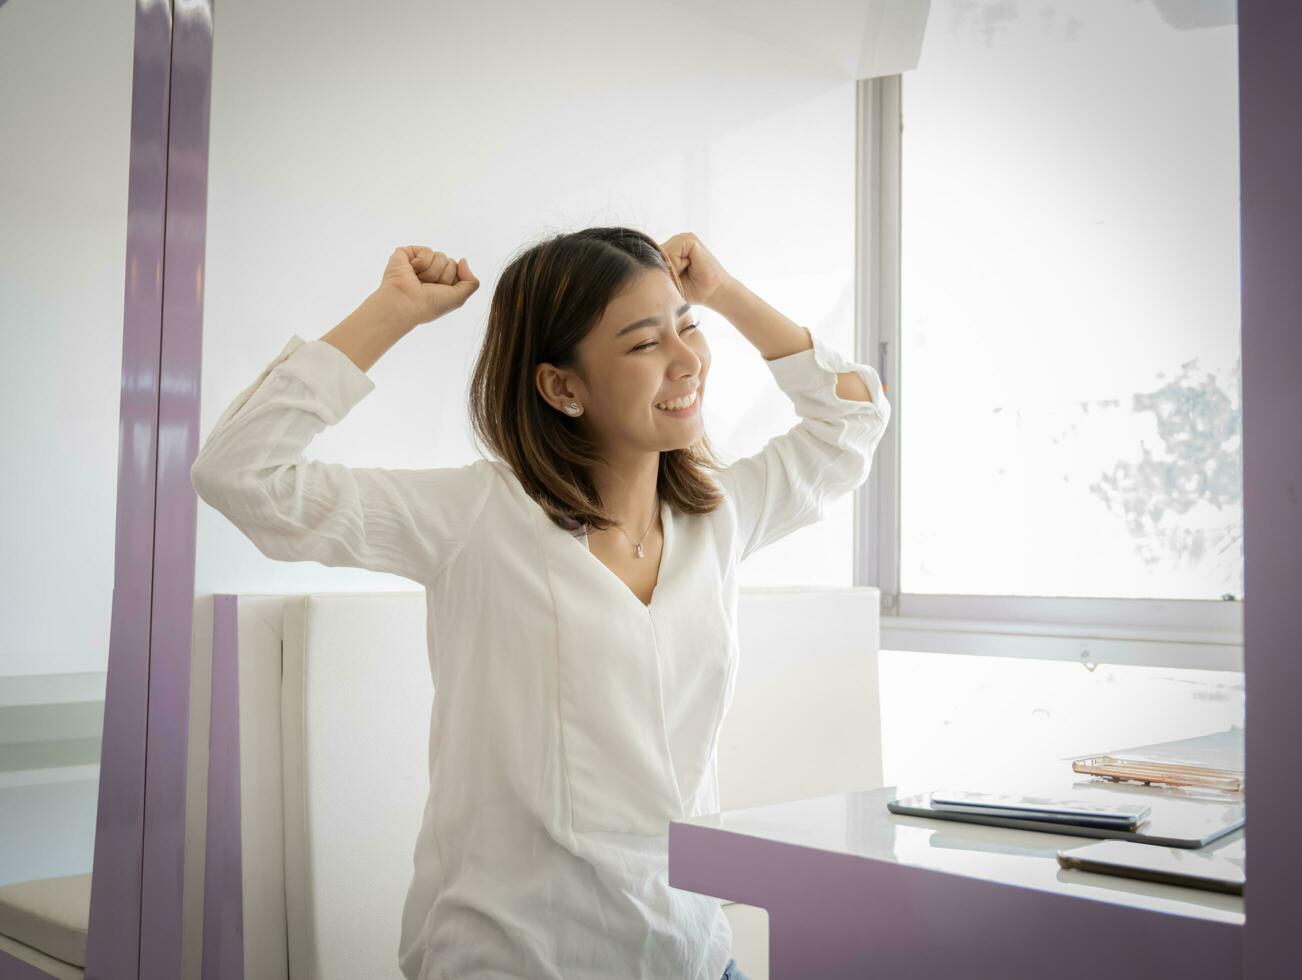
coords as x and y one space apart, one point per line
1190 634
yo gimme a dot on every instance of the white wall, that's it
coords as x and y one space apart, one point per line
339 131
65 71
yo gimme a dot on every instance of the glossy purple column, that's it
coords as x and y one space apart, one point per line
1270 192
113 942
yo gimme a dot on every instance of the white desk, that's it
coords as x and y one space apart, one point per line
853 890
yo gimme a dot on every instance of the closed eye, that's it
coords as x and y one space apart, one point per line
652 343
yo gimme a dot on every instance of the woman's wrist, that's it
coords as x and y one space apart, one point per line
369 331
724 295
772 333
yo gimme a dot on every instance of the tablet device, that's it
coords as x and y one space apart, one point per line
1175 821
1149 862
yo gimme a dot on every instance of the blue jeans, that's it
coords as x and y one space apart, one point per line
733 972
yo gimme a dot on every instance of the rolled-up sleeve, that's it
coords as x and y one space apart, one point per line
786 485
407 522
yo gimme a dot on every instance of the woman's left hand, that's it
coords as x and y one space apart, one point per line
700 272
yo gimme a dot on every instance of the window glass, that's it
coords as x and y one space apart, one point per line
1070 363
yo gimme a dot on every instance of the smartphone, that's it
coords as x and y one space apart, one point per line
1125 816
1151 862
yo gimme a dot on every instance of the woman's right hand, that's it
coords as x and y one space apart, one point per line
420 284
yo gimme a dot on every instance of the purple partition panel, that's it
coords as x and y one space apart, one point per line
112 945
223 888
174 538
1270 182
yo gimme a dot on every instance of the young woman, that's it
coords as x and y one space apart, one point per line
581 583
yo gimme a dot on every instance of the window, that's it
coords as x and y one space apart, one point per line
1068 324
1070 307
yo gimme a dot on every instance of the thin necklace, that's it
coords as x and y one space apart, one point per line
638 553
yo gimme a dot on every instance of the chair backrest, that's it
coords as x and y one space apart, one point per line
355 703
805 718
334 740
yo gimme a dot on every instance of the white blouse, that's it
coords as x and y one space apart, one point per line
571 722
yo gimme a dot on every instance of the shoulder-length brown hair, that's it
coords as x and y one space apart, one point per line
549 297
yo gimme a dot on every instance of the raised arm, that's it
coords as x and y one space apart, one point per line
842 407
409 522
828 453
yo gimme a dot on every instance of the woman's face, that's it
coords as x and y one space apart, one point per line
645 350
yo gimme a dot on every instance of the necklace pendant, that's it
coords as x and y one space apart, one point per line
639 550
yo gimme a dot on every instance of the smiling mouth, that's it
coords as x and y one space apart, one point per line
687 409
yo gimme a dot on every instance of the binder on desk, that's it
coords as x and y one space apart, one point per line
1214 761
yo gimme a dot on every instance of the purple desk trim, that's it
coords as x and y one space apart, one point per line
1270 183
844 917
223 903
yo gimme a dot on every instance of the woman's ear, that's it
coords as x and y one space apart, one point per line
541 375
552 385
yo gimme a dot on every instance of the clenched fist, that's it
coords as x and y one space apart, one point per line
420 284
702 276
